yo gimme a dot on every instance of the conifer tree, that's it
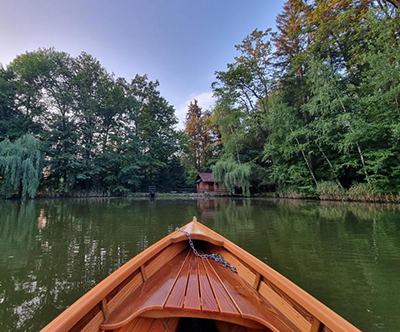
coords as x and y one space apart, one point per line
196 131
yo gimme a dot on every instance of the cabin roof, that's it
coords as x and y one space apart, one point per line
205 177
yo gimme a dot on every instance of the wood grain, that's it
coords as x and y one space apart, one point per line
256 283
104 308
173 323
224 301
125 292
204 287
326 329
242 269
128 327
157 326
143 325
165 324
250 303
326 316
163 257
293 303
315 326
94 324
71 316
284 307
192 298
151 295
177 296
92 314
164 313
208 300
198 232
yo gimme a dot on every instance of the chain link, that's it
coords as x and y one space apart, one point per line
216 257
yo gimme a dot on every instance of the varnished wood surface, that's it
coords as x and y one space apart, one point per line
284 307
223 299
209 288
198 232
330 320
173 283
71 316
250 303
177 295
208 298
229 327
180 313
192 297
151 295
143 324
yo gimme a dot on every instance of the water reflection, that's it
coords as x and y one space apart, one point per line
53 251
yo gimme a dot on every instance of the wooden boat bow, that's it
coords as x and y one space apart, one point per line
198 231
168 281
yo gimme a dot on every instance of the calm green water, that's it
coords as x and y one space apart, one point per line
53 251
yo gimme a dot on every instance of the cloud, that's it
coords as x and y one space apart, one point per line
204 99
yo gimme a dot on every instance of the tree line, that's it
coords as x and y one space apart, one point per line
308 110
87 130
312 109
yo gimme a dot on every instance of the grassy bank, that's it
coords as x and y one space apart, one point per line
359 192
107 194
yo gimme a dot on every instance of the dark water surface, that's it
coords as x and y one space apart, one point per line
53 251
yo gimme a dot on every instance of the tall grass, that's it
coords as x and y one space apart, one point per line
329 190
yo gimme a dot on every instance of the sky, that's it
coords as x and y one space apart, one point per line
180 43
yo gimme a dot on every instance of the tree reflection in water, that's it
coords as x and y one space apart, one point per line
53 251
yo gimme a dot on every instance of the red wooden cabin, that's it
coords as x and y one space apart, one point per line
205 183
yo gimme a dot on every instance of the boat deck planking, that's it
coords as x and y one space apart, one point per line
190 284
167 282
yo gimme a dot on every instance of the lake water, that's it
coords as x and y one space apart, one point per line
53 251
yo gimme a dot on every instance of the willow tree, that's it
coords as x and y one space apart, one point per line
20 166
230 174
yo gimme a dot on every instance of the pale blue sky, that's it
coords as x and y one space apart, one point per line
179 42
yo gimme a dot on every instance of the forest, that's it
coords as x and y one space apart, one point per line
310 108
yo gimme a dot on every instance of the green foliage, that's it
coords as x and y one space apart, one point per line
331 104
11 119
99 133
312 109
202 138
20 166
242 91
190 176
159 142
285 146
229 174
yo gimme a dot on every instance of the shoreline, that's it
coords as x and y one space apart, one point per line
382 199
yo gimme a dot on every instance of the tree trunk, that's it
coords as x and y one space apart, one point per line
330 165
306 161
358 146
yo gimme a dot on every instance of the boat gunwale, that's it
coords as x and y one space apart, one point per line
316 308
70 316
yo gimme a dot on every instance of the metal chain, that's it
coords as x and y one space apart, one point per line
216 257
